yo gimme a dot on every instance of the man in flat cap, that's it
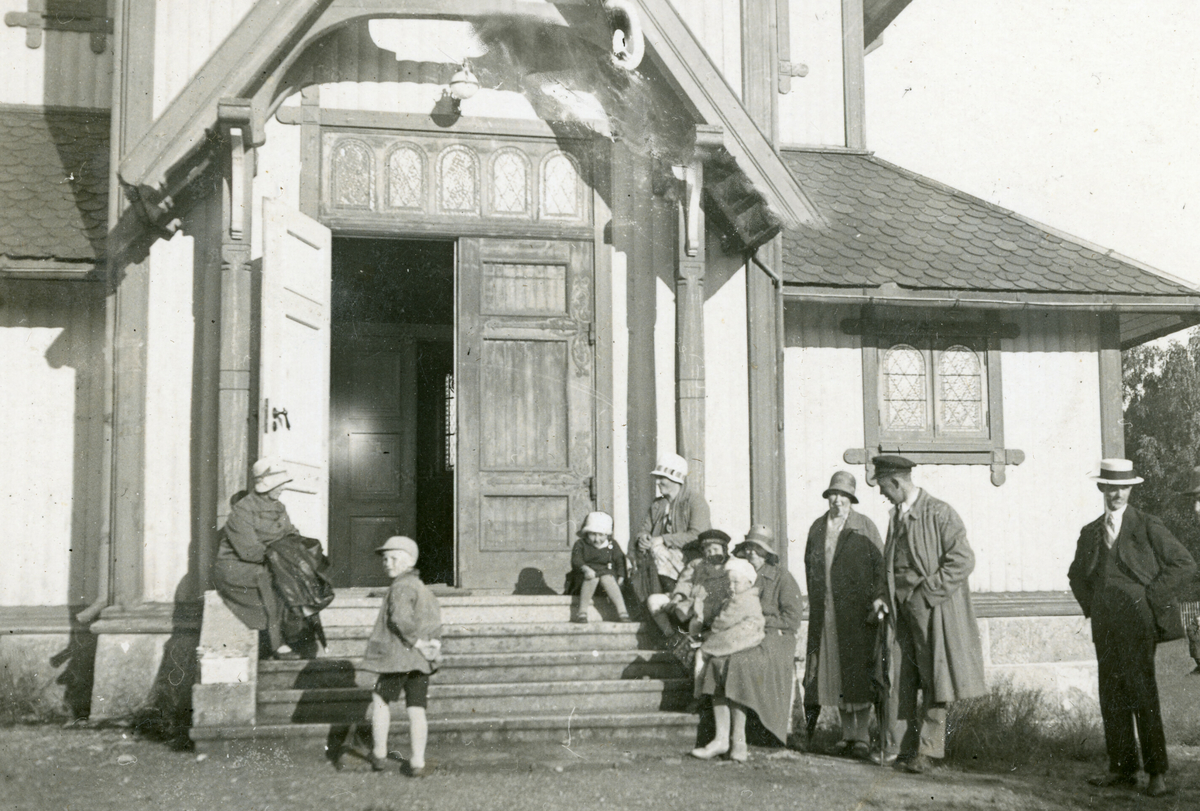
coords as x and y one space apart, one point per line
927 560
1127 571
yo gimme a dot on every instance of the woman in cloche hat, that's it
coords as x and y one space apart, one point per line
843 564
782 607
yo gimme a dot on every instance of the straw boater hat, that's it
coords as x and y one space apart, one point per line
597 522
842 482
671 466
1193 483
1117 471
762 536
269 474
402 543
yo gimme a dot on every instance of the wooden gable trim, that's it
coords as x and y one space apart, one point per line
685 63
878 15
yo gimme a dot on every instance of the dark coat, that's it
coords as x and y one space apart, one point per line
857 577
610 561
1150 554
240 572
941 555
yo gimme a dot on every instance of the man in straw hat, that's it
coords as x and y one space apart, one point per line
1128 568
1189 607
926 562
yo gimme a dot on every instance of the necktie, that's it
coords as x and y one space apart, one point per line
1110 527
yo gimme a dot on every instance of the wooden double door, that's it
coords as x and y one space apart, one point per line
477 439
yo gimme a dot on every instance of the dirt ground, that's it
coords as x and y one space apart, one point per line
44 768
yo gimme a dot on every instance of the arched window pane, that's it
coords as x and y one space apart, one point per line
510 183
904 389
352 175
560 187
458 180
406 178
960 389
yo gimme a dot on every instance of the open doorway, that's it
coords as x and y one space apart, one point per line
391 421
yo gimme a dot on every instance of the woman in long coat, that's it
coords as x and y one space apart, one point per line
843 564
783 608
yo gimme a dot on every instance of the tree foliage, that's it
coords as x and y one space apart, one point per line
1162 430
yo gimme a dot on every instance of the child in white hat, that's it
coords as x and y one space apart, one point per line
596 559
404 649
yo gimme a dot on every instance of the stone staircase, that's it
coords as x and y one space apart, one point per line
513 668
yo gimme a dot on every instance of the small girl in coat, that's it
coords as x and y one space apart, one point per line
404 649
595 559
736 632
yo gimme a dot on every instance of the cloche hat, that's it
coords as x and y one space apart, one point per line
600 522
671 466
842 482
762 536
268 474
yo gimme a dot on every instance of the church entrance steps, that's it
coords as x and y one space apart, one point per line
359 606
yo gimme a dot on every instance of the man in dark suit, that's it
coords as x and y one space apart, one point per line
1127 570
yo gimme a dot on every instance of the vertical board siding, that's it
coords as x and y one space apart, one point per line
812 113
51 396
717 24
823 417
727 424
1024 531
169 362
664 366
186 34
62 71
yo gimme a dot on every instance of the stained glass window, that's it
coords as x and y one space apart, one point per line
406 178
510 183
560 187
352 175
904 389
458 181
960 390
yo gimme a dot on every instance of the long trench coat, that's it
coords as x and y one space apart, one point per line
857 577
942 557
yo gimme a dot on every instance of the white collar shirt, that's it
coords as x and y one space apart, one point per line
1112 525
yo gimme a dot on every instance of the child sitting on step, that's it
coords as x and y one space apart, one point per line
404 649
596 559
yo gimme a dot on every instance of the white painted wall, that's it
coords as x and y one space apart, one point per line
51 342
62 71
1023 532
718 26
186 34
726 411
812 113
169 362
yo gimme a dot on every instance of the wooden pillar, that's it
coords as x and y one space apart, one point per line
689 327
760 65
236 410
129 274
854 74
1112 430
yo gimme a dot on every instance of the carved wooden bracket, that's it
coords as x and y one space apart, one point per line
82 16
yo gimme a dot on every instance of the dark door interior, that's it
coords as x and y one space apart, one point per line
391 406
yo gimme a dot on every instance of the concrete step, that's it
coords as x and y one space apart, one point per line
360 607
670 728
445 700
593 665
512 638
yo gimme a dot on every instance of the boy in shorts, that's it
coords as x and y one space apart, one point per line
403 649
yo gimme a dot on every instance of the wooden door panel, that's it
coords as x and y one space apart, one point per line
294 360
526 447
367 533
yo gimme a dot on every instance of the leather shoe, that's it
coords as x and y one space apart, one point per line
285 655
1157 787
1113 780
860 751
886 759
918 764
378 764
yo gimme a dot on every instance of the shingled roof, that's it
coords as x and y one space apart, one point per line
53 184
891 226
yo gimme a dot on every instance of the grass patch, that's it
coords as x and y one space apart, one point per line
23 699
1010 727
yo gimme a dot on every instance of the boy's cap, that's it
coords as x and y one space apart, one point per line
713 536
600 522
402 543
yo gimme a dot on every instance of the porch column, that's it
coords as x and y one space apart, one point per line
689 327
129 277
1112 430
236 410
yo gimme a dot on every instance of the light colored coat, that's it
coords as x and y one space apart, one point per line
409 613
941 555
738 627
